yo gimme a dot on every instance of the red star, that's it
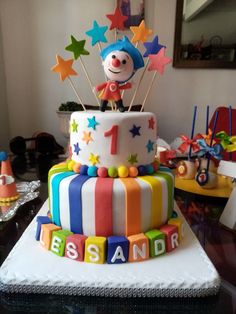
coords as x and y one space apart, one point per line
159 61
117 19
151 123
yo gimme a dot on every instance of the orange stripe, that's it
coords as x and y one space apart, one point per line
133 206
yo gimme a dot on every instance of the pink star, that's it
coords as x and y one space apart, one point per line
117 19
159 61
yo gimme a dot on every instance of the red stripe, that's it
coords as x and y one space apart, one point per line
103 207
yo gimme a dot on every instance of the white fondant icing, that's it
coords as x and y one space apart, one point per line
71 251
137 251
174 240
119 254
64 201
93 250
126 143
88 205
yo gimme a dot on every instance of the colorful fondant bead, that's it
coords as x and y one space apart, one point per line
172 237
84 169
95 250
133 172
70 164
92 171
149 169
142 170
46 234
138 248
123 172
59 241
179 223
75 247
112 172
41 220
117 249
102 172
156 242
76 167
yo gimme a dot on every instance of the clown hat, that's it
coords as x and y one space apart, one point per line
8 190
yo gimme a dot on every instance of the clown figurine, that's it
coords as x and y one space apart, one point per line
120 61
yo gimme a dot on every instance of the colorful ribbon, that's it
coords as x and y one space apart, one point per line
187 142
226 141
214 151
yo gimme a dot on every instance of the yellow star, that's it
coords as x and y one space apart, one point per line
94 159
140 32
87 137
74 126
63 67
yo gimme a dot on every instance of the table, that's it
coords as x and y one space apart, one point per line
201 212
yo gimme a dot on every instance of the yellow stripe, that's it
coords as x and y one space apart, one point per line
156 186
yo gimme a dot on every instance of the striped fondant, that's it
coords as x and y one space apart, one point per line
98 206
103 209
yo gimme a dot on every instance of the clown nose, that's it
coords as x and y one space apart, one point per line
115 63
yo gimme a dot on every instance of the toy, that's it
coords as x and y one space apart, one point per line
120 61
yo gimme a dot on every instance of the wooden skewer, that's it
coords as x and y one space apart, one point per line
148 91
89 80
76 93
138 85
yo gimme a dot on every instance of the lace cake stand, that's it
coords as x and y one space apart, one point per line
185 272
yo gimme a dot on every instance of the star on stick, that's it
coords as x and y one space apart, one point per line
152 47
64 68
77 47
97 33
159 61
117 19
140 32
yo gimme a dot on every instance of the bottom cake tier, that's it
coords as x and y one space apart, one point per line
96 206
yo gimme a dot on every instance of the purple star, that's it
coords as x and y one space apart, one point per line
135 130
76 148
152 47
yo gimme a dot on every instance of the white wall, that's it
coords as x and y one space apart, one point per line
34 31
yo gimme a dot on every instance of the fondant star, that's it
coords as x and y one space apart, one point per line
117 19
135 130
94 159
92 123
97 33
140 32
74 126
77 47
159 61
87 137
151 123
150 146
132 158
76 148
152 47
64 67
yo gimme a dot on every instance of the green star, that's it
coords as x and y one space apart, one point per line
74 126
77 47
132 158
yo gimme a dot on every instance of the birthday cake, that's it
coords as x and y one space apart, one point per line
109 202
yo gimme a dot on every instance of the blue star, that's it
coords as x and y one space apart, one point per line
92 123
149 146
135 130
152 47
97 33
76 148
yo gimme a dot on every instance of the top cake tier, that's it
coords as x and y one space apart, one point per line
113 139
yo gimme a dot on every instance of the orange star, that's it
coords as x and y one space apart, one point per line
64 67
87 137
140 32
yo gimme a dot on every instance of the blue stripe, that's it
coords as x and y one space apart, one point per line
55 210
75 199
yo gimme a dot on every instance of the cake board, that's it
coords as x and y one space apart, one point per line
185 272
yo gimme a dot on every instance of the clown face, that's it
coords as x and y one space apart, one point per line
118 66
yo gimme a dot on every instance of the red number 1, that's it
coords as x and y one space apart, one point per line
113 132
